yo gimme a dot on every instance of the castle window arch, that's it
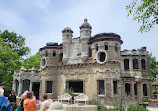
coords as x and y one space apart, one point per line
106 46
143 64
116 47
46 53
126 64
54 53
135 89
90 52
135 63
127 89
145 90
96 47
61 57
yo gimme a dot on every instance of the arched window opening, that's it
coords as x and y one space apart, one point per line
135 63
106 47
46 53
145 90
96 47
135 89
61 57
101 87
116 47
115 87
90 52
143 64
54 53
127 89
102 57
126 64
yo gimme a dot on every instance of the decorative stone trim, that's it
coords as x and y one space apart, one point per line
98 56
43 65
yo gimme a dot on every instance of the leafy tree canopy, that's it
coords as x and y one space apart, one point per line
154 68
12 50
33 61
145 12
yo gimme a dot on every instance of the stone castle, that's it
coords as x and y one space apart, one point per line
93 65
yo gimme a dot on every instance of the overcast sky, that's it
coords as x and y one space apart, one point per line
41 21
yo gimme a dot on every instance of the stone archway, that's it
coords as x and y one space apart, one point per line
127 89
16 87
36 89
26 85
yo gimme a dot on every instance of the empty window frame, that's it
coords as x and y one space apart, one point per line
89 52
135 89
135 63
115 87
127 89
145 90
143 64
116 47
102 56
96 47
106 47
61 57
46 53
49 85
76 86
126 64
101 87
54 53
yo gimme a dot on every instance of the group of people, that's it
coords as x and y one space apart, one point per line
5 105
27 102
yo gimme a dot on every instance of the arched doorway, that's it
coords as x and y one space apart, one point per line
127 89
36 89
26 85
16 87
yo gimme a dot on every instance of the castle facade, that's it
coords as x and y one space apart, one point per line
93 65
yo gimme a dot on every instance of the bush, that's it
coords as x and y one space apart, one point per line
69 91
136 107
100 106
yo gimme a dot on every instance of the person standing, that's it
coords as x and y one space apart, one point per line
12 99
23 97
46 103
29 103
2 87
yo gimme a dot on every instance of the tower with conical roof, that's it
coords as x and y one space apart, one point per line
85 34
67 40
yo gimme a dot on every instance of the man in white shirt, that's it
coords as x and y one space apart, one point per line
46 103
2 91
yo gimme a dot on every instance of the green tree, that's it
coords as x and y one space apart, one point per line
12 50
154 68
33 61
145 12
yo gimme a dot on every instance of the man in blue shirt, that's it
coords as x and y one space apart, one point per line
4 103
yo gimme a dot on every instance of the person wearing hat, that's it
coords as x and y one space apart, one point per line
4 103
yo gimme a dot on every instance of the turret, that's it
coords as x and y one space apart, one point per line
67 40
85 29
51 54
85 34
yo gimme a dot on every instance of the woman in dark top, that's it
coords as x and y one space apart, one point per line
12 99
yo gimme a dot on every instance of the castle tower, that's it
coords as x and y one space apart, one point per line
67 40
85 34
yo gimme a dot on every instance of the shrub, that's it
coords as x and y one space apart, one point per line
136 107
100 106
69 91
